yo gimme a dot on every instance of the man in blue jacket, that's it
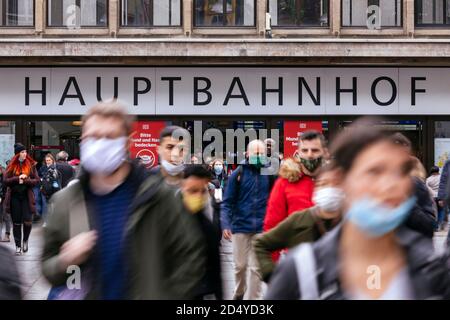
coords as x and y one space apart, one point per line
242 216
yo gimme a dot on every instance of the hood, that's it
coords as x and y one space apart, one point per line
290 170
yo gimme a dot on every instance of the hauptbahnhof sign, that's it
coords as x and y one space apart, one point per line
227 90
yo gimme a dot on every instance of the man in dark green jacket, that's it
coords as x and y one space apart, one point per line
303 226
123 228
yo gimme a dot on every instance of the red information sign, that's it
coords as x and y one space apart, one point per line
145 141
292 130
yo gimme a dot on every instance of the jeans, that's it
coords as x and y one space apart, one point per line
41 202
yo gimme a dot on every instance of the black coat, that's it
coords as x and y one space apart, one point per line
66 171
429 273
422 217
9 276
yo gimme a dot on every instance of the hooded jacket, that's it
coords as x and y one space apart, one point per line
164 248
292 192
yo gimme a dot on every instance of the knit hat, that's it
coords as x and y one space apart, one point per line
18 147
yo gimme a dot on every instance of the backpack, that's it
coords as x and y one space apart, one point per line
240 169
50 183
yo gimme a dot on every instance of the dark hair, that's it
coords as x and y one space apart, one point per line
168 132
355 139
197 171
434 169
312 135
401 139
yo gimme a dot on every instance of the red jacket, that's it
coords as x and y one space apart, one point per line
292 192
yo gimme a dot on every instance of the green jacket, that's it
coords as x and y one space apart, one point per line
165 248
299 227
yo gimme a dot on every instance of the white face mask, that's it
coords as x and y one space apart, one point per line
329 199
172 169
103 156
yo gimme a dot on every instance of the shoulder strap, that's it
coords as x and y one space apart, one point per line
240 170
78 216
305 263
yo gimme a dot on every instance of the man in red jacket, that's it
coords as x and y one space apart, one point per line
294 189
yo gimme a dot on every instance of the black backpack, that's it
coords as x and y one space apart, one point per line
50 183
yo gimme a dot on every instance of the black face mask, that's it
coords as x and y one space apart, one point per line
311 164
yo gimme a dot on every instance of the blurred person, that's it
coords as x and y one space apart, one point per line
5 219
124 227
303 226
195 160
75 164
242 216
443 191
218 185
423 216
171 153
50 178
432 183
21 177
196 199
371 255
219 177
65 169
10 285
293 190
273 156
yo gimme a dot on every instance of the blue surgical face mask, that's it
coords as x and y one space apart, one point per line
218 169
376 219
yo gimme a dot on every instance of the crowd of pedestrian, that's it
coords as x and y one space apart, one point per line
309 230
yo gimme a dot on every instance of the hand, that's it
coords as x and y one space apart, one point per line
227 234
441 203
23 176
20 181
77 250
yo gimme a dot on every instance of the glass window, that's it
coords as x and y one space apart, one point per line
368 13
77 13
7 140
432 12
294 13
15 13
441 143
149 13
54 136
230 13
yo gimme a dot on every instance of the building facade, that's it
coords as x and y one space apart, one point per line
226 63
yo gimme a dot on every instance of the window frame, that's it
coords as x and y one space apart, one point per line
225 27
430 25
150 26
328 26
32 26
401 26
97 27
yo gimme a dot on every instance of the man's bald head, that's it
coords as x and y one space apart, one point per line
256 147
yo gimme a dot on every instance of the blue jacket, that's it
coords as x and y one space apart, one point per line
443 183
244 204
